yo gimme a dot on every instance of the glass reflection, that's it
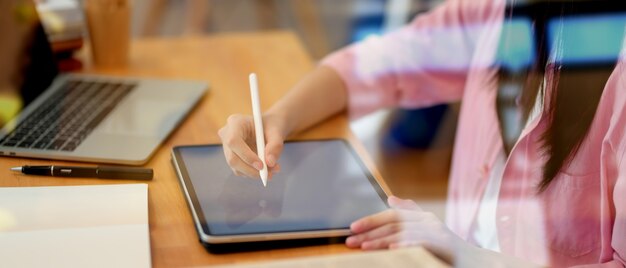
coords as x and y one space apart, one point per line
537 162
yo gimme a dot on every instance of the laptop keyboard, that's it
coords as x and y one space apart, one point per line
68 116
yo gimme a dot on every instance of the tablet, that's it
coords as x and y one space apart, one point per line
322 187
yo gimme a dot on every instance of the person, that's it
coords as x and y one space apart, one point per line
552 191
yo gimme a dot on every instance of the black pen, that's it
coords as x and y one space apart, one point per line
102 172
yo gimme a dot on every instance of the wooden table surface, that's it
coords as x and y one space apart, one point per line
224 61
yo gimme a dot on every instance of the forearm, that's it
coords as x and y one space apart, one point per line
319 95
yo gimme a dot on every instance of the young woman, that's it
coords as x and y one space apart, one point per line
551 190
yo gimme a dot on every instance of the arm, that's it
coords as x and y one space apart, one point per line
422 64
322 92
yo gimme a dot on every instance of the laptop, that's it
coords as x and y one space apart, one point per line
78 117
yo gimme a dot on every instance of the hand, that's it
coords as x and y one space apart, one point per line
239 144
403 225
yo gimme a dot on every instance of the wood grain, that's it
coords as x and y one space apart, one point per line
224 61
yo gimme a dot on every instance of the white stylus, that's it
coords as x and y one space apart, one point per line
258 125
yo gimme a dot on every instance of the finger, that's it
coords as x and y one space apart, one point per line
237 173
234 141
274 170
273 149
382 243
243 151
385 230
373 221
228 154
239 165
398 203
385 217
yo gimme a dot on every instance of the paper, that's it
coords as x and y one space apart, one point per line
75 226
398 258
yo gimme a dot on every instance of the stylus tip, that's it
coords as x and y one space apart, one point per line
16 169
264 176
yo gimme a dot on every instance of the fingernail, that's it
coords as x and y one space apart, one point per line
258 165
271 161
351 241
354 226
393 201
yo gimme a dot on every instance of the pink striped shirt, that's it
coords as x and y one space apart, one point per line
444 56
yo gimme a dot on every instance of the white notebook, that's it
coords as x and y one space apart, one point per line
75 226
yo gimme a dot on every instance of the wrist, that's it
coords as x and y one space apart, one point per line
280 120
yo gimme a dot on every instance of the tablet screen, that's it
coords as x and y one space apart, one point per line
322 185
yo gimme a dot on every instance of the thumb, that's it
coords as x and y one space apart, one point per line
398 203
273 149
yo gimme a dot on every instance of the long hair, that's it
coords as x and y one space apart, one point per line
574 91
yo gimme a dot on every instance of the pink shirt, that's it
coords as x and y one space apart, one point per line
444 56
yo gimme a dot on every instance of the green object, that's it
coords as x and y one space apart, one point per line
9 107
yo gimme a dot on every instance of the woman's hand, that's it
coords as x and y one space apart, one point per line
403 225
239 144
317 96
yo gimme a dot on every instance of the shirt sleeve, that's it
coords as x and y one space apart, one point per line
615 169
617 258
618 191
422 64
618 241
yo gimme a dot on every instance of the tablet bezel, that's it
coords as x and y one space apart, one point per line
203 229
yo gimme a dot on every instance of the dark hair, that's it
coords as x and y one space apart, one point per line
570 110
574 94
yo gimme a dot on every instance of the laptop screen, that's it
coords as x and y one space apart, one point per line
28 66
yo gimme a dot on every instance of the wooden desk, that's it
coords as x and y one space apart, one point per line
225 62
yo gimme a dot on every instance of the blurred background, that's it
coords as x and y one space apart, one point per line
322 25
412 148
